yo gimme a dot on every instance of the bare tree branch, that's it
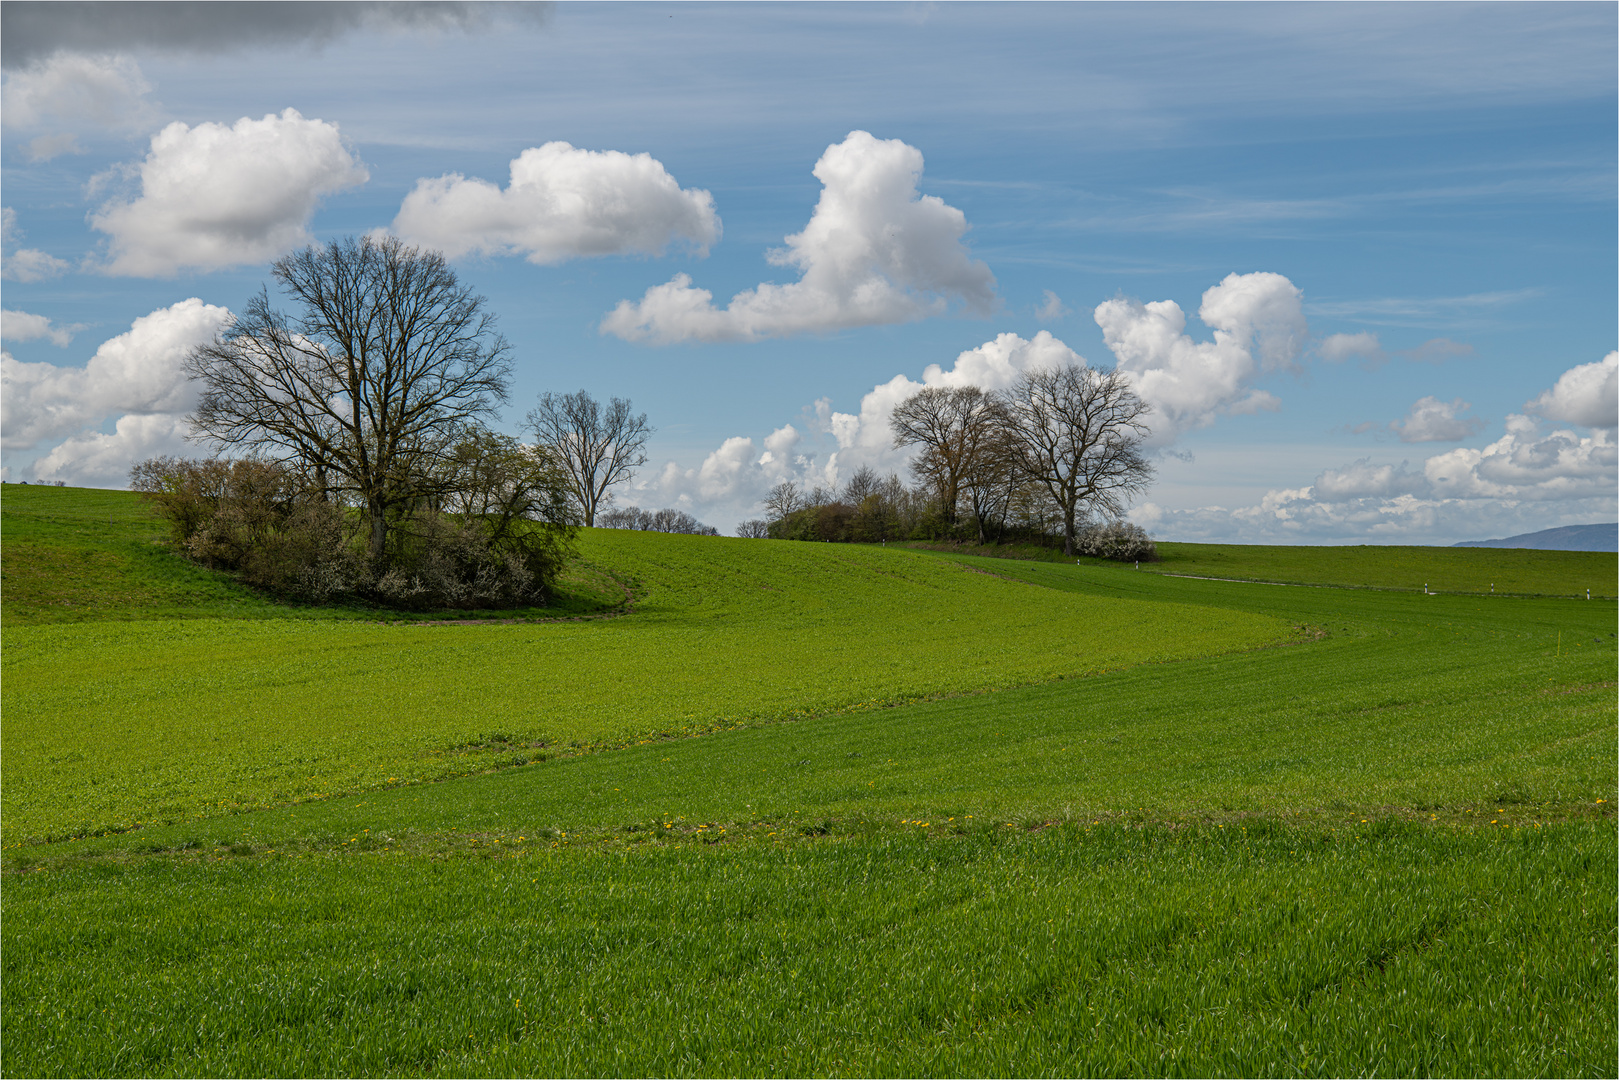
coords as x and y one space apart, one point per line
1077 432
597 448
369 385
785 498
956 429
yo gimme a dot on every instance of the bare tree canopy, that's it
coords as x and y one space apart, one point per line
783 499
863 483
1077 432
597 448
667 520
956 429
367 385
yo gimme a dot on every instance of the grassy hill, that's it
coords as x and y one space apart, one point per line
948 816
89 555
120 722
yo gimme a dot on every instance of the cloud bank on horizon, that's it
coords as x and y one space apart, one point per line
136 381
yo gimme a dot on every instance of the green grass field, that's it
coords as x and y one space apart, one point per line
87 555
1484 571
1503 571
1059 820
117 723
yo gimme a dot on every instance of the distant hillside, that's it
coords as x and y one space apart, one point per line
1567 538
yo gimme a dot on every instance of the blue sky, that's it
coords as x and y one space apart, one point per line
1399 218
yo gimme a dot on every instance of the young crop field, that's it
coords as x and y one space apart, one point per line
116 723
1501 571
947 816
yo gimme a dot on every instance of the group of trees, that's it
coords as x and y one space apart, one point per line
496 535
1068 436
366 464
1058 455
871 509
667 520
867 509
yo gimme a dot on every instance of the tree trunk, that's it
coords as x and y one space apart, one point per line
1068 532
379 532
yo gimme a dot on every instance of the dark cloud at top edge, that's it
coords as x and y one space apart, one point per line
32 30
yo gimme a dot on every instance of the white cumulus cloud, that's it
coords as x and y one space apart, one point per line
1365 480
732 479
135 380
31 264
97 459
213 196
865 438
1527 464
875 251
1432 420
73 89
22 326
1529 479
1587 395
562 203
1259 328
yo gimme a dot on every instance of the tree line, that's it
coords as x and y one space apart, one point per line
353 454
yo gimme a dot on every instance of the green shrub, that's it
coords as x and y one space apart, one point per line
256 518
504 545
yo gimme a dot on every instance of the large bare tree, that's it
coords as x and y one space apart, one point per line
598 448
1077 432
369 382
957 429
